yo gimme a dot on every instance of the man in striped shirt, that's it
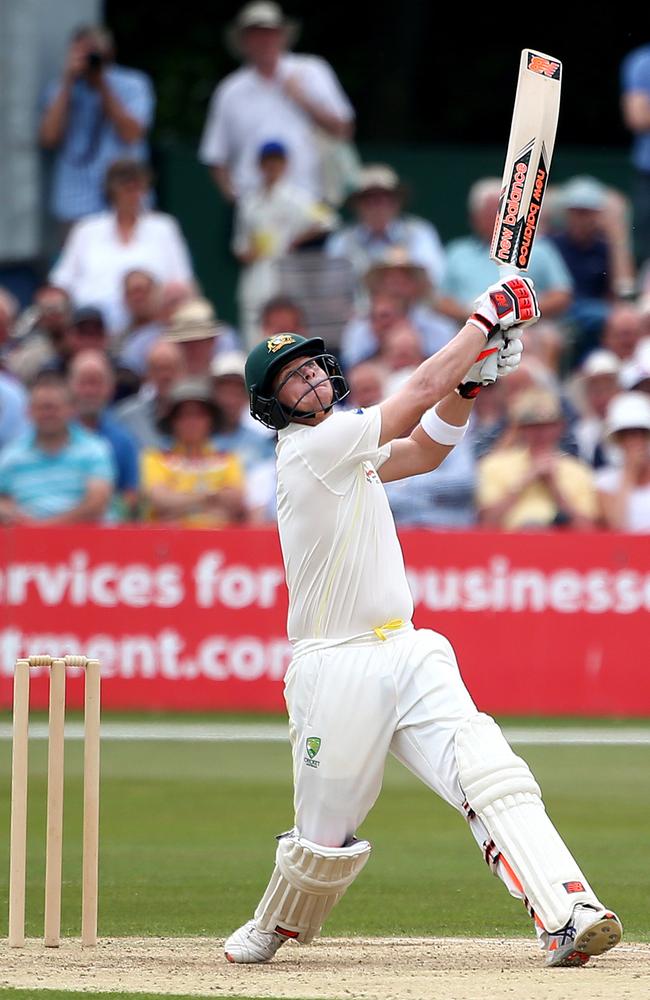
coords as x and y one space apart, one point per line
56 472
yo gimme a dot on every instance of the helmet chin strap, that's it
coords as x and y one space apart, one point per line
293 413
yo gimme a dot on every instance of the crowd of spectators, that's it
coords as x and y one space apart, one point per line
122 393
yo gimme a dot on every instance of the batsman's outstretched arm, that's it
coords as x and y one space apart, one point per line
434 379
504 305
419 453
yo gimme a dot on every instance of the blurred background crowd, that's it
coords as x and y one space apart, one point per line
122 394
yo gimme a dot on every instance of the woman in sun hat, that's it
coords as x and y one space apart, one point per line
624 490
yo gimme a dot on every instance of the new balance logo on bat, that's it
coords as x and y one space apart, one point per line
545 67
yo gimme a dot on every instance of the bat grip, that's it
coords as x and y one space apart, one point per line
507 271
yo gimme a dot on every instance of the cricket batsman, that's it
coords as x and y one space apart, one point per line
363 681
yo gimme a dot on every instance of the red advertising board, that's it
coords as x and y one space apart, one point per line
193 620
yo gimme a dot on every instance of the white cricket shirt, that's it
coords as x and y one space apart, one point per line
343 561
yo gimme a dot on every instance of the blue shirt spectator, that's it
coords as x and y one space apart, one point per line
589 265
635 83
55 471
469 269
92 386
125 452
13 409
96 113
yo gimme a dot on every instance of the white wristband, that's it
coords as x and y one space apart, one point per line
480 323
439 430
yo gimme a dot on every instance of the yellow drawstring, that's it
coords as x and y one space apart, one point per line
390 626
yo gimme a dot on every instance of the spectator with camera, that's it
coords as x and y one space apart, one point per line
97 112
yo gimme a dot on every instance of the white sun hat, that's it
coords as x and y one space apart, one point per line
628 411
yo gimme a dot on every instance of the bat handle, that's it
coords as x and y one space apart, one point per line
507 271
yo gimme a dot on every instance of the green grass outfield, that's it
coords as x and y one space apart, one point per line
187 842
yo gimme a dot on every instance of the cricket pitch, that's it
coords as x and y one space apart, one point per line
368 968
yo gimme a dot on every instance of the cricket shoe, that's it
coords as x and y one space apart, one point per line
248 944
590 931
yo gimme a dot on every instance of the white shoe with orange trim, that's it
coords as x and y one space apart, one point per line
591 931
249 945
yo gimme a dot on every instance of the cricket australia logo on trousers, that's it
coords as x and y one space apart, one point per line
312 746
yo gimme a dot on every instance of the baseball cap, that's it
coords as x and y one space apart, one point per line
87 314
272 148
584 192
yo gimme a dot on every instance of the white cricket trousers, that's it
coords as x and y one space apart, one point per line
360 700
350 704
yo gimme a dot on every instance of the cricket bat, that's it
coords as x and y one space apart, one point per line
528 160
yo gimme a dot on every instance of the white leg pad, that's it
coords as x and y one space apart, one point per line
500 788
308 880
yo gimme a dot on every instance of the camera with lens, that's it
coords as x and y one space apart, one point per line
94 61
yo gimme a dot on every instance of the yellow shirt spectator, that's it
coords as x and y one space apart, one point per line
199 476
192 483
501 473
534 484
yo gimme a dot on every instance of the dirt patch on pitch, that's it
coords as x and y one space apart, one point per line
338 969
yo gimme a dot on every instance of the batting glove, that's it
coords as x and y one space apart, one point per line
504 305
509 357
498 358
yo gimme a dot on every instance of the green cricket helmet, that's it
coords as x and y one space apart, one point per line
268 358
